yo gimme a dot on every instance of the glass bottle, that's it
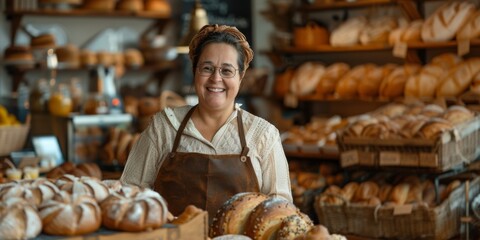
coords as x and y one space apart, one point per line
60 102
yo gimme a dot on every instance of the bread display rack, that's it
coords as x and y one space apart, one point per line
161 17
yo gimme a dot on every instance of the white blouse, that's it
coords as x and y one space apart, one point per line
263 140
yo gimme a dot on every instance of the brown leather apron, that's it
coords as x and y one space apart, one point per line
203 180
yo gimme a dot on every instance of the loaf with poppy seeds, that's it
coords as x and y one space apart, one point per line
70 214
134 209
233 215
265 220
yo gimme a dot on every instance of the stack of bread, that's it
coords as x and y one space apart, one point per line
380 190
398 120
72 206
445 76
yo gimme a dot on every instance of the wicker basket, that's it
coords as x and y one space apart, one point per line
12 138
452 149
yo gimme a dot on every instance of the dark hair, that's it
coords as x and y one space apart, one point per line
221 34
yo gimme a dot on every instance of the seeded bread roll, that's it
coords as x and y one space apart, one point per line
266 219
294 226
233 215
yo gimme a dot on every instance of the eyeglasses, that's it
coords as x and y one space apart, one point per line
207 69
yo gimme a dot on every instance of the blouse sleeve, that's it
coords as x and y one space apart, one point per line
276 177
141 167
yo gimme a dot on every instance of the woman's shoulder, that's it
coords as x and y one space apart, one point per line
257 123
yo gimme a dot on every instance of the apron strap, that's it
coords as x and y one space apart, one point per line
241 132
181 128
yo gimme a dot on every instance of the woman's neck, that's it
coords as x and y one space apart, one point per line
209 122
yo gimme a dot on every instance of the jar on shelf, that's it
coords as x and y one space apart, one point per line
60 102
38 97
96 103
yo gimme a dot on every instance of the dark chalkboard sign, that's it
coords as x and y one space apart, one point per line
236 13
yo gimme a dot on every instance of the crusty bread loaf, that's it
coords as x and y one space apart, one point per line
444 23
471 28
294 226
159 6
399 193
91 169
34 191
233 215
348 33
475 85
306 78
330 78
459 78
347 86
394 84
19 219
134 210
446 60
348 191
266 219
365 191
413 32
458 114
377 30
433 128
70 214
188 214
130 5
83 185
449 189
424 84
282 82
369 86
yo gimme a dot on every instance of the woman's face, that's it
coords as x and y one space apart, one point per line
216 92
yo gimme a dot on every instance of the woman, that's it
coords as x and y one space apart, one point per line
203 155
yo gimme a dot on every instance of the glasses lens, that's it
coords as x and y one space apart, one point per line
206 70
227 71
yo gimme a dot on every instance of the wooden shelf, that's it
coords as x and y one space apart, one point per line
371 47
88 13
345 4
149 67
313 156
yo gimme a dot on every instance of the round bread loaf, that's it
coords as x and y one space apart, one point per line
70 214
83 185
133 209
266 218
233 215
130 5
91 169
158 6
34 191
306 78
330 78
18 219
294 226
88 58
17 53
46 40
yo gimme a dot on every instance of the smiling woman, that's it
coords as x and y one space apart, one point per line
203 155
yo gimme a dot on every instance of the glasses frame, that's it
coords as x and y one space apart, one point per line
214 70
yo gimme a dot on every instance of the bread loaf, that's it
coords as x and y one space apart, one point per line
471 28
446 61
458 114
19 219
444 23
433 128
459 78
68 215
34 191
347 86
83 185
475 86
330 78
159 6
369 86
134 210
348 33
306 78
413 32
188 214
130 5
233 215
394 84
348 191
399 193
377 30
91 169
266 219
282 82
365 191
294 226
424 84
